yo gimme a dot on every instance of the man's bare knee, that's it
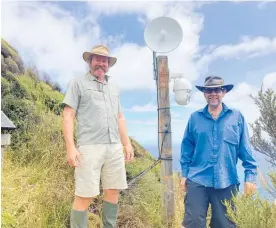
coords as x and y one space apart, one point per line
111 195
81 203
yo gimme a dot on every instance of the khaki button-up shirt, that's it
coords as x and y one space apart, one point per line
97 106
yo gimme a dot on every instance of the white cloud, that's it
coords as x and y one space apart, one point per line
55 40
146 131
264 4
50 37
240 99
150 9
247 48
134 69
145 122
269 81
144 108
175 114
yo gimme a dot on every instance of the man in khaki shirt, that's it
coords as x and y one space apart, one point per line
103 145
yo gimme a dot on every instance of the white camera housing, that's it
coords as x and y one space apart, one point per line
182 89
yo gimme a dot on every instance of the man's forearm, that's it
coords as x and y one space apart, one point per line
68 130
123 131
187 150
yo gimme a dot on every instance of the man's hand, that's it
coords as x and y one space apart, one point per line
183 184
73 156
249 188
129 154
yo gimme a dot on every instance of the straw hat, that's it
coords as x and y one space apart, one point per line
101 50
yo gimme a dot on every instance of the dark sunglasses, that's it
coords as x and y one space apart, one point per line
216 90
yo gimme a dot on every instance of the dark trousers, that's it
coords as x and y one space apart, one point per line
197 201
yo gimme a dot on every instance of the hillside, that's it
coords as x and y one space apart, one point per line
37 183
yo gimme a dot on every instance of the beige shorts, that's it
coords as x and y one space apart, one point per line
100 162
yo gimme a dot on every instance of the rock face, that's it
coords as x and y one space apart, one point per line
10 60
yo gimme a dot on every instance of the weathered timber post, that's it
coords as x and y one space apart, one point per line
164 138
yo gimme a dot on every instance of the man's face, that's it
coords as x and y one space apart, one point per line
99 65
214 96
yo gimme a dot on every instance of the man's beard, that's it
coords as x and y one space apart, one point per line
216 105
96 68
212 104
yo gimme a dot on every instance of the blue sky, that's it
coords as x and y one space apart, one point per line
226 22
235 40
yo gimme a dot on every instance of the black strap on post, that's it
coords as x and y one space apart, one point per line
165 158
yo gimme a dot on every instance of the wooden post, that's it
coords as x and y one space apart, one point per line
164 138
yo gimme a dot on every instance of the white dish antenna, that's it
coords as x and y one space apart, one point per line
163 34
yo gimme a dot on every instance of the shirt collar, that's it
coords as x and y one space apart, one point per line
91 77
225 109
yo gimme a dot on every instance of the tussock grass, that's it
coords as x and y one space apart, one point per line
38 185
36 181
38 188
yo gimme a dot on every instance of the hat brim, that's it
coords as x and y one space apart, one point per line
226 87
112 60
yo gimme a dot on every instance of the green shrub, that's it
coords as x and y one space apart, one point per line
5 87
8 52
4 66
252 212
10 76
12 66
16 88
32 72
22 114
29 85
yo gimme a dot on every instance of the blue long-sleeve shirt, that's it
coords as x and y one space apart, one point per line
211 148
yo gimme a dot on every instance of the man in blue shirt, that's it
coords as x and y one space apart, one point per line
215 138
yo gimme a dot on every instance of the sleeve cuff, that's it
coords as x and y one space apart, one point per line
250 178
64 102
185 172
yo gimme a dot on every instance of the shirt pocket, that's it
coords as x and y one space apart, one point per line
93 96
230 135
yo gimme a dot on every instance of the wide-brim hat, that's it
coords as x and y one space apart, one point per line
214 82
101 50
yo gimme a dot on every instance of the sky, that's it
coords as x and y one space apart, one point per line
235 40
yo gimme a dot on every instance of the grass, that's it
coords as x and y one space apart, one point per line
37 189
37 183
10 49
